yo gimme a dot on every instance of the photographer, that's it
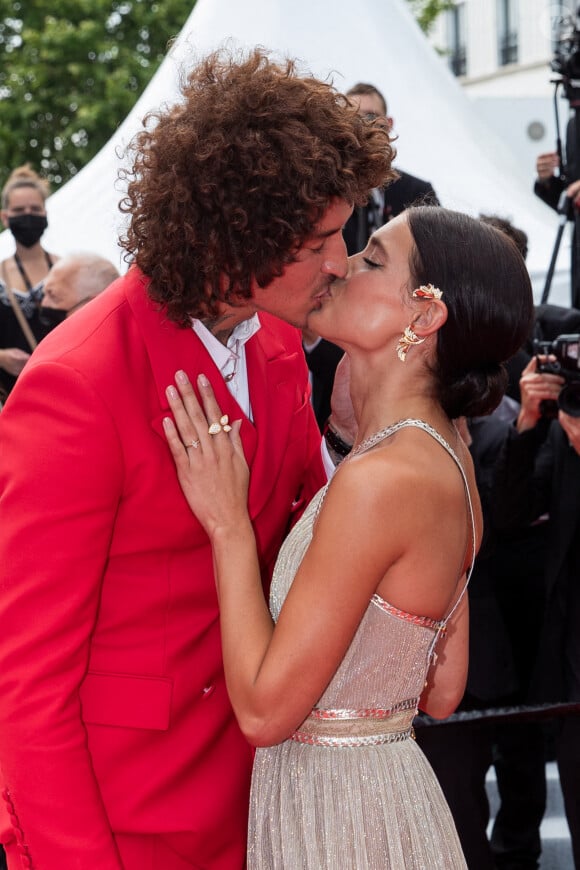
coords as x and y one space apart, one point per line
552 178
549 187
539 472
558 172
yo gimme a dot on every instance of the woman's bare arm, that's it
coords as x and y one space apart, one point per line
276 675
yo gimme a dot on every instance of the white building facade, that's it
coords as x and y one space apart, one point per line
501 51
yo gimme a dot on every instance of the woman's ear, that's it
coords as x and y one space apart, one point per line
430 317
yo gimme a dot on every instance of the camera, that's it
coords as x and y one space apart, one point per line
566 364
566 59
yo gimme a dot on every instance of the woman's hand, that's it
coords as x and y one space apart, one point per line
211 468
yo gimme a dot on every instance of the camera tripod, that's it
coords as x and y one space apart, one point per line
567 213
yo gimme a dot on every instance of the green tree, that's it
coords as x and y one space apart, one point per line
71 70
427 11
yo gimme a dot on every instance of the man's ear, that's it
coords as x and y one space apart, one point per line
429 318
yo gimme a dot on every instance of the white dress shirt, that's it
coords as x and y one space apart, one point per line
230 358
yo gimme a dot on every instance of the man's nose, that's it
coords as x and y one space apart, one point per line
336 261
47 301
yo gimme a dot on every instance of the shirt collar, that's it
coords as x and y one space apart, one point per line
220 353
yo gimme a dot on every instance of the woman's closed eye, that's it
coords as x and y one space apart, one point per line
372 263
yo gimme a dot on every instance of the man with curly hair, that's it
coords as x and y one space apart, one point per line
118 744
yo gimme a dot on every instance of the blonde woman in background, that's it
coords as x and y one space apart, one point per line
22 274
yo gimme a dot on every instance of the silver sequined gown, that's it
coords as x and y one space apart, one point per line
351 790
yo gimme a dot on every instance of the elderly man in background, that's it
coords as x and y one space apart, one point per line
72 282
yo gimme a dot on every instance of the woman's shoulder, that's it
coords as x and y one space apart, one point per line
370 486
407 452
403 474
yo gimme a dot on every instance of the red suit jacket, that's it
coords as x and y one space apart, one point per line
114 715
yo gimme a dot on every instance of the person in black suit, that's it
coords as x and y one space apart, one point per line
539 471
549 187
322 358
387 202
501 645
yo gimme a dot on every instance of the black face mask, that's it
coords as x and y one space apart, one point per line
27 228
51 317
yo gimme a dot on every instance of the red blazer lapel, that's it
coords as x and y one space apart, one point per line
170 348
273 357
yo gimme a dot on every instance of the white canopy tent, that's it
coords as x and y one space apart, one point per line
441 137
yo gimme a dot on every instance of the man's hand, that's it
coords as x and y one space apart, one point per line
463 429
546 165
13 360
571 426
536 386
342 414
573 193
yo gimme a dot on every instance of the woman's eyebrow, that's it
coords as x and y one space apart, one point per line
376 243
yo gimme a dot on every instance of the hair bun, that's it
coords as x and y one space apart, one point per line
477 392
22 176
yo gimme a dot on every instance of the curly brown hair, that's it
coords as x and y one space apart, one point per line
227 185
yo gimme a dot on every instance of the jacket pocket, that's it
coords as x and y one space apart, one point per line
126 701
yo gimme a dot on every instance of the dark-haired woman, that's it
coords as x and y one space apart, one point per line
368 609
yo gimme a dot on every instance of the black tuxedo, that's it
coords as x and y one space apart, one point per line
540 473
502 629
398 195
322 361
536 475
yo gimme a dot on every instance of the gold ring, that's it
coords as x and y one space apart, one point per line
214 429
194 444
224 422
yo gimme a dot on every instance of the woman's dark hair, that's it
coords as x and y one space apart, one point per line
488 294
227 185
